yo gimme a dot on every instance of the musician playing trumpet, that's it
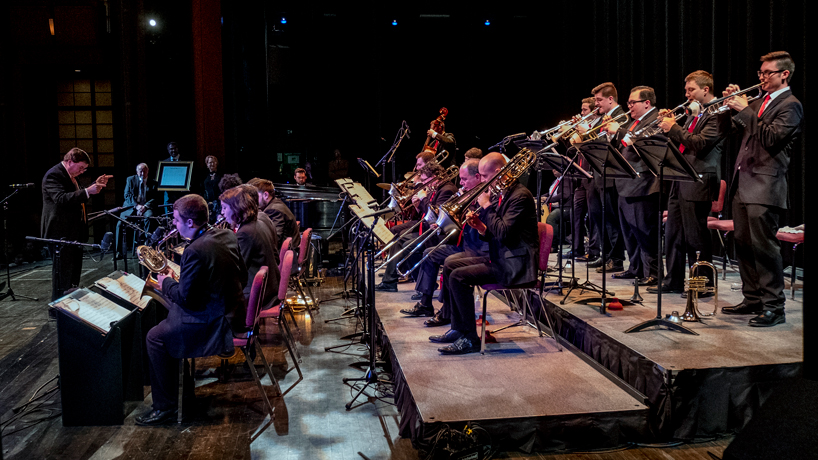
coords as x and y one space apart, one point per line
769 127
430 177
700 139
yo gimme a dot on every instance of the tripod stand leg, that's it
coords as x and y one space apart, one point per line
660 322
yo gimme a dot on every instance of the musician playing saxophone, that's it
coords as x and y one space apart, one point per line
508 223
430 177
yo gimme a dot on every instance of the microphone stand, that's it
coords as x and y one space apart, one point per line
390 155
9 292
110 213
58 245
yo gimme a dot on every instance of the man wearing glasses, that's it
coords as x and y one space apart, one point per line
769 126
638 197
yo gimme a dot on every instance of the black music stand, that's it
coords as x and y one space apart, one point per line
665 161
607 161
568 168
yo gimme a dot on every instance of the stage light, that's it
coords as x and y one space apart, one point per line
51 26
152 22
77 70
283 20
487 22
394 22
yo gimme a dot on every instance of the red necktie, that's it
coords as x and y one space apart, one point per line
764 105
690 130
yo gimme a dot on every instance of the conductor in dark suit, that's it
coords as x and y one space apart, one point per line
257 240
203 304
639 197
509 224
141 195
283 219
769 126
700 140
64 216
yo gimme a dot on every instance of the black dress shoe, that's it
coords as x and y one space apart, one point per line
436 321
419 310
742 309
612 266
386 287
767 319
649 281
585 258
155 417
449 337
595 262
624 276
417 296
665 290
462 346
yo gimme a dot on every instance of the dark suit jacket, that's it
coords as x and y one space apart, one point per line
257 243
646 183
132 192
62 207
703 149
208 296
764 156
597 176
512 235
265 220
283 220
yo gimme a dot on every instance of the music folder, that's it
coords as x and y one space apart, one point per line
125 287
92 309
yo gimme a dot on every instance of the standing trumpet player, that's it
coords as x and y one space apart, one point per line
769 126
700 140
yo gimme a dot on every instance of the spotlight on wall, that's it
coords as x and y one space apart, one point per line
152 22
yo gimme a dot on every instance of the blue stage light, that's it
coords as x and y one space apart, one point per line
394 22
487 22
283 20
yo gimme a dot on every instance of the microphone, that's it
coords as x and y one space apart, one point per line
156 236
105 245
408 131
378 213
29 185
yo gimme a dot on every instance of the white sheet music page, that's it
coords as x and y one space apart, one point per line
92 308
128 287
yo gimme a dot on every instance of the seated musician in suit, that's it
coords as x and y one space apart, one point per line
431 176
257 241
468 244
509 224
283 219
204 307
141 194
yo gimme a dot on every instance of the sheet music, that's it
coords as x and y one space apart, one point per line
381 232
92 308
125 286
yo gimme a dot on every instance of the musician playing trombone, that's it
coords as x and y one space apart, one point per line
700 139
468 244
509 223
769 126
430 175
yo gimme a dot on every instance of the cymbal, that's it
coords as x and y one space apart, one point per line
385 186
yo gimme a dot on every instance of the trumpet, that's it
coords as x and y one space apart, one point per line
572 130
698 284
692 108
715 106
593 133
548 132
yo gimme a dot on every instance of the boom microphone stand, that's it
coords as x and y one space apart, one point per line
9 292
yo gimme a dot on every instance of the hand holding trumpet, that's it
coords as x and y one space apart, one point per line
737 103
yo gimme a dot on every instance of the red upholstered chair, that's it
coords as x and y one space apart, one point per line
300 272
278 310
722 226
244 342
520 294
795 239
285 246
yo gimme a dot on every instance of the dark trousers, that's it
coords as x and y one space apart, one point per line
164 368
465 273
686 233
559 220
584 198
614 246
759 254
390 274
638 217
427 273
65 274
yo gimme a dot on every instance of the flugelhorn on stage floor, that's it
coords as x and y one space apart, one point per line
698 284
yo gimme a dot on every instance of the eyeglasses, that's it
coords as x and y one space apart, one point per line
768 73
630 103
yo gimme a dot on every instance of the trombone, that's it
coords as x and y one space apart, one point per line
402 191
452 214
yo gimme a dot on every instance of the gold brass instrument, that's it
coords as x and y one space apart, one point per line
715 106
156 262
697 284
429 218
452 214
403 191
692 108
569 132
593 133
549 132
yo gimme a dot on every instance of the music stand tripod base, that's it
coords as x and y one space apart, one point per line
661 322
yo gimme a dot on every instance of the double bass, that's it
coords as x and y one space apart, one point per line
438 126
